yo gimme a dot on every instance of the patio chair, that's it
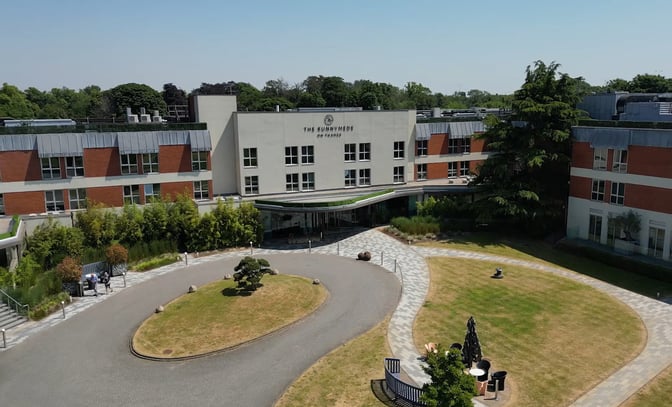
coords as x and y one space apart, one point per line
496 382
456 345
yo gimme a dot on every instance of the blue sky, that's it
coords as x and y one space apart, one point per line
446 45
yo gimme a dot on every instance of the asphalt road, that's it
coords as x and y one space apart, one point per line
86 360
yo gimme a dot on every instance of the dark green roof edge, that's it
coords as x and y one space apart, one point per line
322 204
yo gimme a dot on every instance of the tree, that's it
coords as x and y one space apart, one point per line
629 223
248 273
69 270
648 83
526 180
135 96
98 224
13 103
449 385
418 96
51 242
173 95
116 254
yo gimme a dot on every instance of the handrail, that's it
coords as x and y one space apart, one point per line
401 389
17 304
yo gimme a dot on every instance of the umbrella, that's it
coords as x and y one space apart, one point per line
471 350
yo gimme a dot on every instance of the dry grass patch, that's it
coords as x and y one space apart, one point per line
343 377
540 327
215 318
655 394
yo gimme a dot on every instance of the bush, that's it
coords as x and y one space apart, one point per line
157 262
69 270
142 250
417 225
116 254
48 305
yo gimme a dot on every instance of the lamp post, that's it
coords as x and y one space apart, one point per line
4 340
63 308
251 248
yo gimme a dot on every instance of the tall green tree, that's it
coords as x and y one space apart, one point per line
449 385
13 103
526 180
135 96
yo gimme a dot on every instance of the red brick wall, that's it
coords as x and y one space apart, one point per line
19 203
648 198
582 155
101 162
581 187
437 144
652 161
20 166
110 196
473 166
477 146
437 170
176 159
173 189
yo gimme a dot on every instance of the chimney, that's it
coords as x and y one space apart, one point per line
142 110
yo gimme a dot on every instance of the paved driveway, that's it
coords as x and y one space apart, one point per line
85 360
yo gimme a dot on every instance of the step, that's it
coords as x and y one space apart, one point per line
13 322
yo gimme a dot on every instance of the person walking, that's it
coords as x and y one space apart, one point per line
105 279
94 283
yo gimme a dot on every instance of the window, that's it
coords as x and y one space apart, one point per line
398 149
656 241
617 193
150 163
308 181
292 182
199 160
54 200
51 168
129 164
421 148
466 145
307 155
364 177
201 190
600 159
595 228
132 194
350 178
350 152
364 151
249 157
251 185
2 205
452 169
398 174
464 169
74 167
620 161
152 191
598 190
422 172
453 146
291 155
77 198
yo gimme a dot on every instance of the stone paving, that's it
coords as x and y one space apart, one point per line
408 263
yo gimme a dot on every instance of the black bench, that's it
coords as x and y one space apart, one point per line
402 391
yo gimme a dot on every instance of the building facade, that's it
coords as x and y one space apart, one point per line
623 167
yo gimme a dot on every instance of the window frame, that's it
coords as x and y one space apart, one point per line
421 171
620 165
51 198
595 227
398 149
251 186
656 244
79 198
464 168
350 178
350 152
308 181
452 169
130 167
199 161
421 148
50 168
595 193
364 152
74 166
201 188
291 155
292 182
399 174
250 158
465 145
150 166
454 146
308 155
364 177
156 192
600 159
131 194
2 204
617 196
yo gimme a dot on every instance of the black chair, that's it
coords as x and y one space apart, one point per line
483 364
496 382
456 345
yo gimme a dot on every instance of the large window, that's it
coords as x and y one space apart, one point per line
152 192
54 200
252 185
350 152
249 157
292 182
398 174
74 166
132 194
595 228
308 181
364 177
597 193
421 148
453 146
201 190
51 168
617 193
292 155
77 198
464 168
620 161
452 169
656 241
350 178
466 145
129 164
422 172
398 149
150 163
199 160
600 159
307 155
364 151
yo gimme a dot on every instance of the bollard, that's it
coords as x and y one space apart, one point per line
251 249
63 308
381 258
4 340
395 265
310 246
124 276
186 260
338 248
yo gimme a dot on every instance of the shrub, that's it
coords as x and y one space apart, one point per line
157 262
417 225
116 254
48 305
69 270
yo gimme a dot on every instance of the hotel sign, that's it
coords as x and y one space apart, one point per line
328 131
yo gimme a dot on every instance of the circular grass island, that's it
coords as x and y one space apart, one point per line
217 317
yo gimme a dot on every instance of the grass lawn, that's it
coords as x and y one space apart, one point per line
215 317
655 394
343 377
541 328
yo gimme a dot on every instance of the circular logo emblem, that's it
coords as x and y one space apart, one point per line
328 119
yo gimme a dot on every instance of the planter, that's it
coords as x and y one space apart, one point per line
75 289
627 247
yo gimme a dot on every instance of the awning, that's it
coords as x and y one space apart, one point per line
59 145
